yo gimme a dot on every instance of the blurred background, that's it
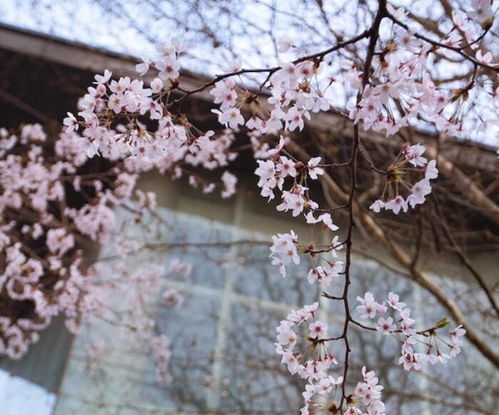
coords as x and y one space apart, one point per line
222 335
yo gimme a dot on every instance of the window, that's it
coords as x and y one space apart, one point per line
222 337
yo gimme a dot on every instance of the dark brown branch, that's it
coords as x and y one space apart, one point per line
464 259
371 225
458 50
25 107
373 38
270 71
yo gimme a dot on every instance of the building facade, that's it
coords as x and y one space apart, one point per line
222 336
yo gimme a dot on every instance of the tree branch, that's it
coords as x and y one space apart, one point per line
375 230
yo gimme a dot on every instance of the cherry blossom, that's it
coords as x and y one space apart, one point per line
161 354
402 327
317 329
284 250
285 43
230 117
386 326
395 179
325 274
287 340
136 127
172 298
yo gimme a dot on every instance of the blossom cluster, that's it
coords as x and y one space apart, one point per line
284 250
323 392
401 325
394 93
293 97
468 24
133 290
314 367
326 273
410 159
52 203
39 229
161 354
273 173
400 91
115 121
51 209
325 396
369 394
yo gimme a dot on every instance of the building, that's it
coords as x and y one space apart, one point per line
222 336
